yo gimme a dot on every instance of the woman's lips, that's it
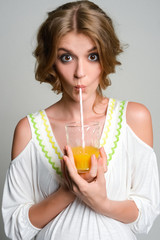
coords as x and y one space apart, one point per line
77 87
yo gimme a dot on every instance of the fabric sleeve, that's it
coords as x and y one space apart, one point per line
18 196
144 183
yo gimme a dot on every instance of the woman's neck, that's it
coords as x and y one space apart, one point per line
71 109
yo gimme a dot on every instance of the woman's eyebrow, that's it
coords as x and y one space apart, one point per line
92 49
64 49
70 51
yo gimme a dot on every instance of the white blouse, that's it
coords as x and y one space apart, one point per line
36 173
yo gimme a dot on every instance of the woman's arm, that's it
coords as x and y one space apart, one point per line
94 194
42 213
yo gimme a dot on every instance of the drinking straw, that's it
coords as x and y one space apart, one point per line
81 114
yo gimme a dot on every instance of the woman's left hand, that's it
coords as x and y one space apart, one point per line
92 173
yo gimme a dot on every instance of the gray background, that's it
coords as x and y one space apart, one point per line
138 79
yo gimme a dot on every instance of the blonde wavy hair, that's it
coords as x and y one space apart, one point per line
82 17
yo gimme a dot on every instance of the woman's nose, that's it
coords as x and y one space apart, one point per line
80 69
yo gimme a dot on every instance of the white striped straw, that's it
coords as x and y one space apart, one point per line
81 114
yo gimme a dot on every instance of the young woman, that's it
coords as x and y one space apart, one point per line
44 196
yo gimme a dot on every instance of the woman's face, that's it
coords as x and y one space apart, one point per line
78 66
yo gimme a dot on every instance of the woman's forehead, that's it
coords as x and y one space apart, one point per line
75 40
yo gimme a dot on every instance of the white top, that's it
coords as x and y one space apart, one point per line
35 174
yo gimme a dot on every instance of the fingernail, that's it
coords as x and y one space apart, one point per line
93 157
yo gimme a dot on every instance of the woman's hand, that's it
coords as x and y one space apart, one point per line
92 173
89 187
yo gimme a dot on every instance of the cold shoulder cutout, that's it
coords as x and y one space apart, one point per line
139 119
22 136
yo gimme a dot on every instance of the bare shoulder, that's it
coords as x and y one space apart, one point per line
22 136
139 119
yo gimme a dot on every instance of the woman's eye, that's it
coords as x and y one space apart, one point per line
93 57
65 58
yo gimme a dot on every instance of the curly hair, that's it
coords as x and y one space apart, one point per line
81 17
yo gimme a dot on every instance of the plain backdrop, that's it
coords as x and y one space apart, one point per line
138 79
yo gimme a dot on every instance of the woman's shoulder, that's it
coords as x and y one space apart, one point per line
138 118
22 135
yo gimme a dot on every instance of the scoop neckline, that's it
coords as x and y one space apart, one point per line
102 133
